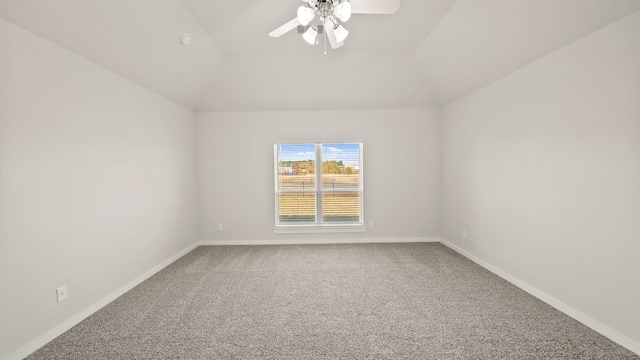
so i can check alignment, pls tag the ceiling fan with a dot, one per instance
(320, 18)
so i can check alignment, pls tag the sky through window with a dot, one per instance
(349, 154)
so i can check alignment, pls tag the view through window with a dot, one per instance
(318, 184)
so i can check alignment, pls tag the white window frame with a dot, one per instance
(318, 226)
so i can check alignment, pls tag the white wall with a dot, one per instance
(401, 169)
(542, 169)
(98, 184)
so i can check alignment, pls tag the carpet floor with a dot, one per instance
(348, 301)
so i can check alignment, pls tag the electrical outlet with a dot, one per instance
(220, 227)
(370, 224)
(464, 234)
(61, 293)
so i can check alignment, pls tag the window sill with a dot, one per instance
(319, 229)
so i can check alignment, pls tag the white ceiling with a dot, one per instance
(429, 53)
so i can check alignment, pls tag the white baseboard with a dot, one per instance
(319, 241)
(77, 318)
(559, 305)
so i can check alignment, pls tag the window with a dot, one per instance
(318, 185)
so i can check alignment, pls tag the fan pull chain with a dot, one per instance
(325, 43)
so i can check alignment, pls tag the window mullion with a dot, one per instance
(319, 218)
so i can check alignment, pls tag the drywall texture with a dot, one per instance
(98, 184)
(542, 170)
(236, 174)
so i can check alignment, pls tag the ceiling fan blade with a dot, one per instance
(285, 28)
(374, 6)
(328, 26)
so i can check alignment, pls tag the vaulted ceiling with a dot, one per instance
(429, 53)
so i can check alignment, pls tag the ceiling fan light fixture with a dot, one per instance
(310, 35)
(318, 19)
(341, 33)
(305, 15)
(343, 11)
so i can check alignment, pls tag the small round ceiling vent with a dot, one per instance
(185, 39)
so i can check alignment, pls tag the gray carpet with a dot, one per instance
(354, 301)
